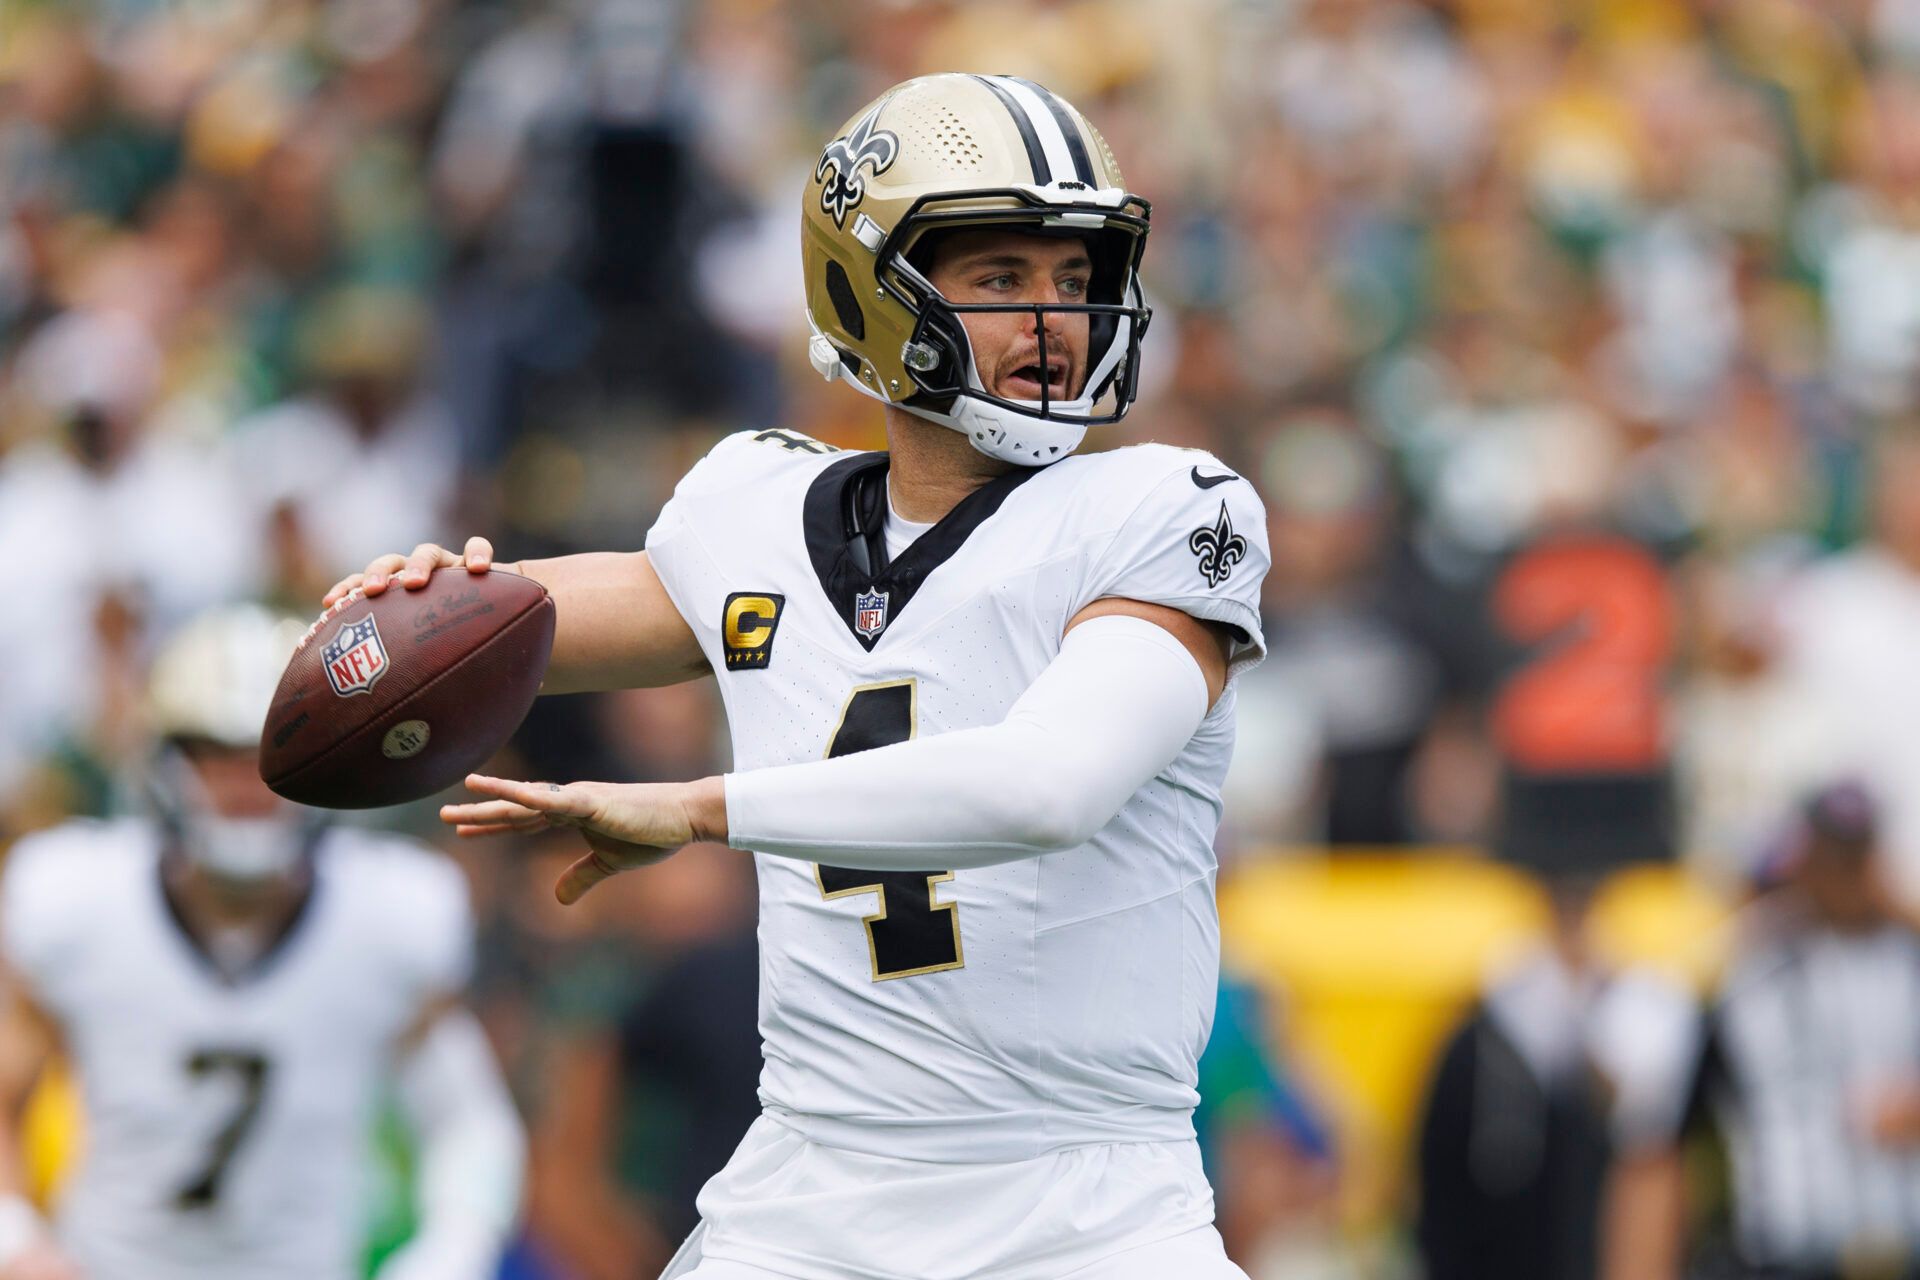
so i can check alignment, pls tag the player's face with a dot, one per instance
(231, 782)
(1010, 267)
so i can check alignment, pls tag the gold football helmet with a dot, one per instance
(951, 151)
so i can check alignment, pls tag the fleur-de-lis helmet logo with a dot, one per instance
(1218, 547)
(842, 186)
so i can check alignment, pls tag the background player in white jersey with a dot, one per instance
(988, 938)
(233, 985)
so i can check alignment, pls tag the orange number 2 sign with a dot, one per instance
(1598, 613)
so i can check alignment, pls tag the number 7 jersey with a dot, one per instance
(996, 1013)
(228, 1110)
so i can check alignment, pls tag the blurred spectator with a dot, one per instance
(1810, 1071)
(363, 463)
(1744, 736)
(692, 1045)
(126, 525)
(1364, 649)
(1846, 636)
(1559, 1067)
(1267, 1149)
(550, 987)
(1869, 246)
(644, 1101)
(1513, 1143)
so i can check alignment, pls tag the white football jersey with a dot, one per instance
(227, 1119)
(998, 1013)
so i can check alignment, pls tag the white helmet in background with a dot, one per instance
(214, 678)
(207, 695)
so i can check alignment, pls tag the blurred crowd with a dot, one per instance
(1574, 347)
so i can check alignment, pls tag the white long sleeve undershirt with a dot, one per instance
(1113, 709)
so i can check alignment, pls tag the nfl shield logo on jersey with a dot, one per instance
(355, 657)
(870, 613)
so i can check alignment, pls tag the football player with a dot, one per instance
(980, 696)
(233, 983)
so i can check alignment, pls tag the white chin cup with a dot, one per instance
(245, 850)
(1011, 436)
(250, 850)
(1017, 431)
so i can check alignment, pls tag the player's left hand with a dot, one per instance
(625, 825)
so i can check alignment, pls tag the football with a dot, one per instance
(394, 697)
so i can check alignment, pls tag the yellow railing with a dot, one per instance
(1373, 955)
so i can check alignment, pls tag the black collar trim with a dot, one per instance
(269, 956)
(845, 521)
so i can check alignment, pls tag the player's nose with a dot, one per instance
(1042, 296)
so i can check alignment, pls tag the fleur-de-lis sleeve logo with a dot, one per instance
(1218, 547)
(842, 186)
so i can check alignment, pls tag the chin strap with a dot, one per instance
(825, 358)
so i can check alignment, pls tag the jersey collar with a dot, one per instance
(274, 948)
(844, 517)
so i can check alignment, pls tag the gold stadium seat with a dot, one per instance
(1375, 954)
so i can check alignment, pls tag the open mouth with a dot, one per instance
(1025, 383)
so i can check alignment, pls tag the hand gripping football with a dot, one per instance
(394, 697)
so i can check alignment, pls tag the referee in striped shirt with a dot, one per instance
(1810, 1064)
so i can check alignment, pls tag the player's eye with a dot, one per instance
(999, 281)
(1073, 287)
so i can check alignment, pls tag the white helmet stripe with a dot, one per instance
(1053, 140)
(1069, 128)
(1036, 155)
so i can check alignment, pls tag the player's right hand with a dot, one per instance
(411, 572)
(40, 1261)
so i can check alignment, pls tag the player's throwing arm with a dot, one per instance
(1046, 778)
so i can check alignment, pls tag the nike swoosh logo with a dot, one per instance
(1207, 482)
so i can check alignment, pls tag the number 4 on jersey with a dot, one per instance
(911, 933)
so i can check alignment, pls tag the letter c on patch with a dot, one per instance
(747, 627)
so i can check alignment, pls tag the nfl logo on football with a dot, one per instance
(870, 613)
(355, 658)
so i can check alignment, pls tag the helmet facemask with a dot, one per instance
(242, 852)
(939, 355)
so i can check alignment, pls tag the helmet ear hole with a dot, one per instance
(846, 307)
